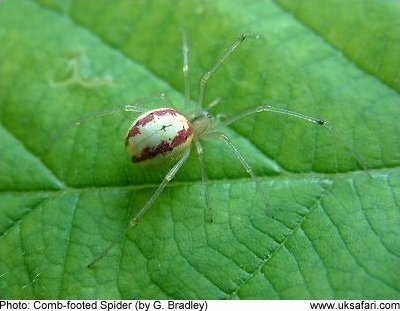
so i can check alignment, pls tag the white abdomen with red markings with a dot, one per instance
(158, 136)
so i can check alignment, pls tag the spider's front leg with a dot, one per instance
(186, 69)
(297, 115)
(204, 79)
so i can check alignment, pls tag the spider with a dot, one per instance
(164, 135)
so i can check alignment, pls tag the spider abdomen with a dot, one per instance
(158, 136)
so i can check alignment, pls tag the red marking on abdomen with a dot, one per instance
(148, 153)
(182, 136)
(150, 117)
(164, 147)
(135, 130)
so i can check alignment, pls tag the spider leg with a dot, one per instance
(109, 112)
(213, 103)
(244, 163)
(136, 107)
(135, 220)
(211, 71)
(185, 69)
(172, 172)
(105, 113)
(307, 118)
(204, 179)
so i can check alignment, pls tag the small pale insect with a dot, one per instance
(165, 135)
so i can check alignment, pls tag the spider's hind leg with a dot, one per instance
(136, 219)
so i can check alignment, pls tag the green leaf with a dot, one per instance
(315, 226)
